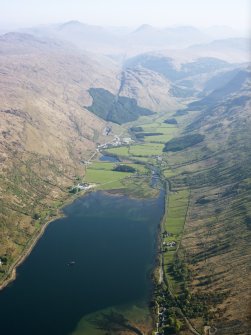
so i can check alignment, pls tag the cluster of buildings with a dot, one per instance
(84, 186)
(162, 319)
(169, 244)
(117, 141)
(159, 158)
(161, 310)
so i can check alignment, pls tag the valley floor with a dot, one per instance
(206, 209)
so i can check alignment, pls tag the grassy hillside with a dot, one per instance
(205, 241)
(45, 133)
(209, 271)
(201, 152)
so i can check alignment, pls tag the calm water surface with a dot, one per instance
(107, 158)
(111, 239)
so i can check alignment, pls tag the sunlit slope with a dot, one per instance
(216, 242)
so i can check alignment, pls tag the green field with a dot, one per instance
(176, 213)
(146, 150)
(119, 151)
(102, 174)
(168, 173)
(167, 132)
(138, 150)
(176, 210)
(159, 138)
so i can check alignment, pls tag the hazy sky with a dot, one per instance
(201, 13)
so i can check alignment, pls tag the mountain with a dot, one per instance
(86, 36)
(231, 49)
(168, 67)
(45, 131)
(149, 88)
(58, 98)
(186, 77)
(144, 29)
(107, 40)
(49, 124)
(221, 32)
(226, 125)
(83, 36)
(219, 80)
(16, 43)
(117, 109)
(237, 83)
(212, 262)
(177, 37)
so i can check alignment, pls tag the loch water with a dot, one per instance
(99, 255)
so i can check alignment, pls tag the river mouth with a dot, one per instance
(98, 257)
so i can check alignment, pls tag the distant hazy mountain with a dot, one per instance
(186, 77)
(168, 37)
(239, 83)
(122, 40)
(84, 35)
(221, 32)
(16, 43)
(144, 28)
(57, 97)
(220, 80)
(232, 49)
(166, 65)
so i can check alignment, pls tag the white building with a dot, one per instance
(127, 140)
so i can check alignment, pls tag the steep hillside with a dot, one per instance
(45, 132)
(186, 77)
(166, 65)
(211, 265)
(56, 101)
(203, 157)
(235, 85)
(149, 88)
(115, 108)
(230, 49)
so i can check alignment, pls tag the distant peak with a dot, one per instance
(185, 29)
(71, 23)
(77, 25)
(16, 36)
(144, 27)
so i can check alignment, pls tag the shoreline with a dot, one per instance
(155, 278)
(12, 271)
(11, 274)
